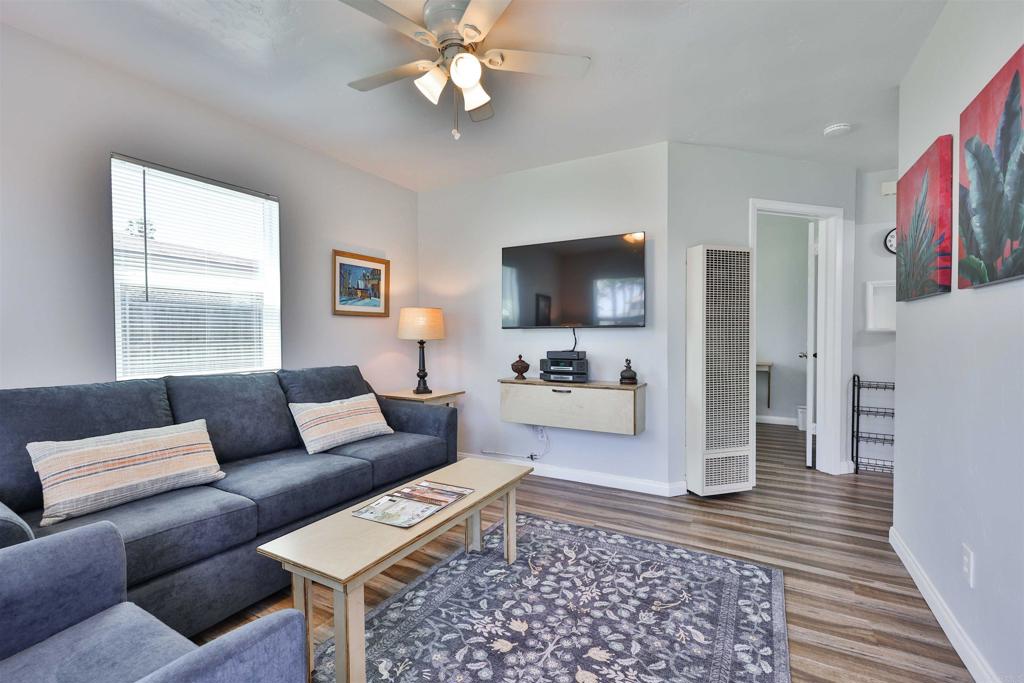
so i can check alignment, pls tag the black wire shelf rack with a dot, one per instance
(874, 411)
(876, 465)
(875, 437)
(859, 435)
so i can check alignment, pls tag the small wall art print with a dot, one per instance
(924, 224)
(992, 181)
(361, 285)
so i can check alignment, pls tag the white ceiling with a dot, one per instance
(764, 76)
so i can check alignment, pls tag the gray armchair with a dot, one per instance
(65, 618)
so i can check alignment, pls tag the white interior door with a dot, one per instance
(811, 354)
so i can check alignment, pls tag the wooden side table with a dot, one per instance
(443, 397)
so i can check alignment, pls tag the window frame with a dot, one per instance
(210, 181)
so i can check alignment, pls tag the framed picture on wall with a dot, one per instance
(924, 223)
(992, 181)
(361, 285)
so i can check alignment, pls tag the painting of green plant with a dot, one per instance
(992, 181)
(924, 224)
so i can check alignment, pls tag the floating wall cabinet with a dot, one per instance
(880, 306)
(594, 406)
(720, 366)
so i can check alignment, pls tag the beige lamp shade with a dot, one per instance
(420, 323)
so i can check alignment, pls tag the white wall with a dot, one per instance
(782, 313)
(62, 115)
(709, 202)
(960, 383)
(874, 353)
(461, 232)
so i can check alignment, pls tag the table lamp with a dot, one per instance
(421, 324)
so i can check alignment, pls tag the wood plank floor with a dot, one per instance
(854, 614)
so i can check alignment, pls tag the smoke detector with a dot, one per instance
(834, 130)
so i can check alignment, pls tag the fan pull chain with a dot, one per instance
(455, 99)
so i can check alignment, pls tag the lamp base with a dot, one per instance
(421, 387)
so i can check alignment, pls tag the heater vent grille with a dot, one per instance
(727, 470)
(727, 353)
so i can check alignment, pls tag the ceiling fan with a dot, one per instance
(456, 29)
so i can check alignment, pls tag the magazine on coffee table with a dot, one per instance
(412, 504)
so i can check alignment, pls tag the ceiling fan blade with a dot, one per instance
(481, 113)
(416, 68)
(393, 19)
(540, 63)
(479, 17)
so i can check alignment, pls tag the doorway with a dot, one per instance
(803, 331)
(786, 315)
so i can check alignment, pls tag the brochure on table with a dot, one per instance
(412, 504)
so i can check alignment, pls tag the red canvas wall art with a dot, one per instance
(924, 223)
(992, 181)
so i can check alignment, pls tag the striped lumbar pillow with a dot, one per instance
(93, 474)
(326, 425)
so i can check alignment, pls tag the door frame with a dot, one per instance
(835, 323)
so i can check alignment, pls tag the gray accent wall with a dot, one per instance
(960, 381)
(709, 202)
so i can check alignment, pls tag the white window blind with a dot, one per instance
(197, 283)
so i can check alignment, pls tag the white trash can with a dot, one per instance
(801, 418)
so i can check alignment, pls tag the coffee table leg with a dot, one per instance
(302, 596)
(510, 526)
(349, 636)
(473, 542)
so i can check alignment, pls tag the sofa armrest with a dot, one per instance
(57, 581)
(13, 529)
(419, 418)
(269, 650)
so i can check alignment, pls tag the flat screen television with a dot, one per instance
(593, 282)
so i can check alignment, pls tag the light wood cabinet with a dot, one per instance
(595, 406)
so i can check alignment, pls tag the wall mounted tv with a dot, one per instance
(593, 282)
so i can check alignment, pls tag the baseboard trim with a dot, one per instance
(542, 469)
(975, 662)
(777, 420)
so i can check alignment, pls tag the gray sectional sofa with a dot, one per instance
(191, 553)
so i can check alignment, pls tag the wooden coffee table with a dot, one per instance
(343, 552)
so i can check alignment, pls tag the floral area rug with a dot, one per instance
(580, 605)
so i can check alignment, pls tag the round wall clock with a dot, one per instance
(890, 241)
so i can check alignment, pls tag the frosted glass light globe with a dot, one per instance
(465, 70)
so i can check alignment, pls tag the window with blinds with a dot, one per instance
(197, 282)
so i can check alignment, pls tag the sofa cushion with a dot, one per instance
(246, 415)
(171, 530)
(121, 644)
(101, 472)
(321, 385)
(397, 456)
(291, 484)
(65, 414)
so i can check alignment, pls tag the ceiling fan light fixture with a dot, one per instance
(432, 83)
(475, 97)
(466, 70)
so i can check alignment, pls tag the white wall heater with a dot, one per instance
(720, 361)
